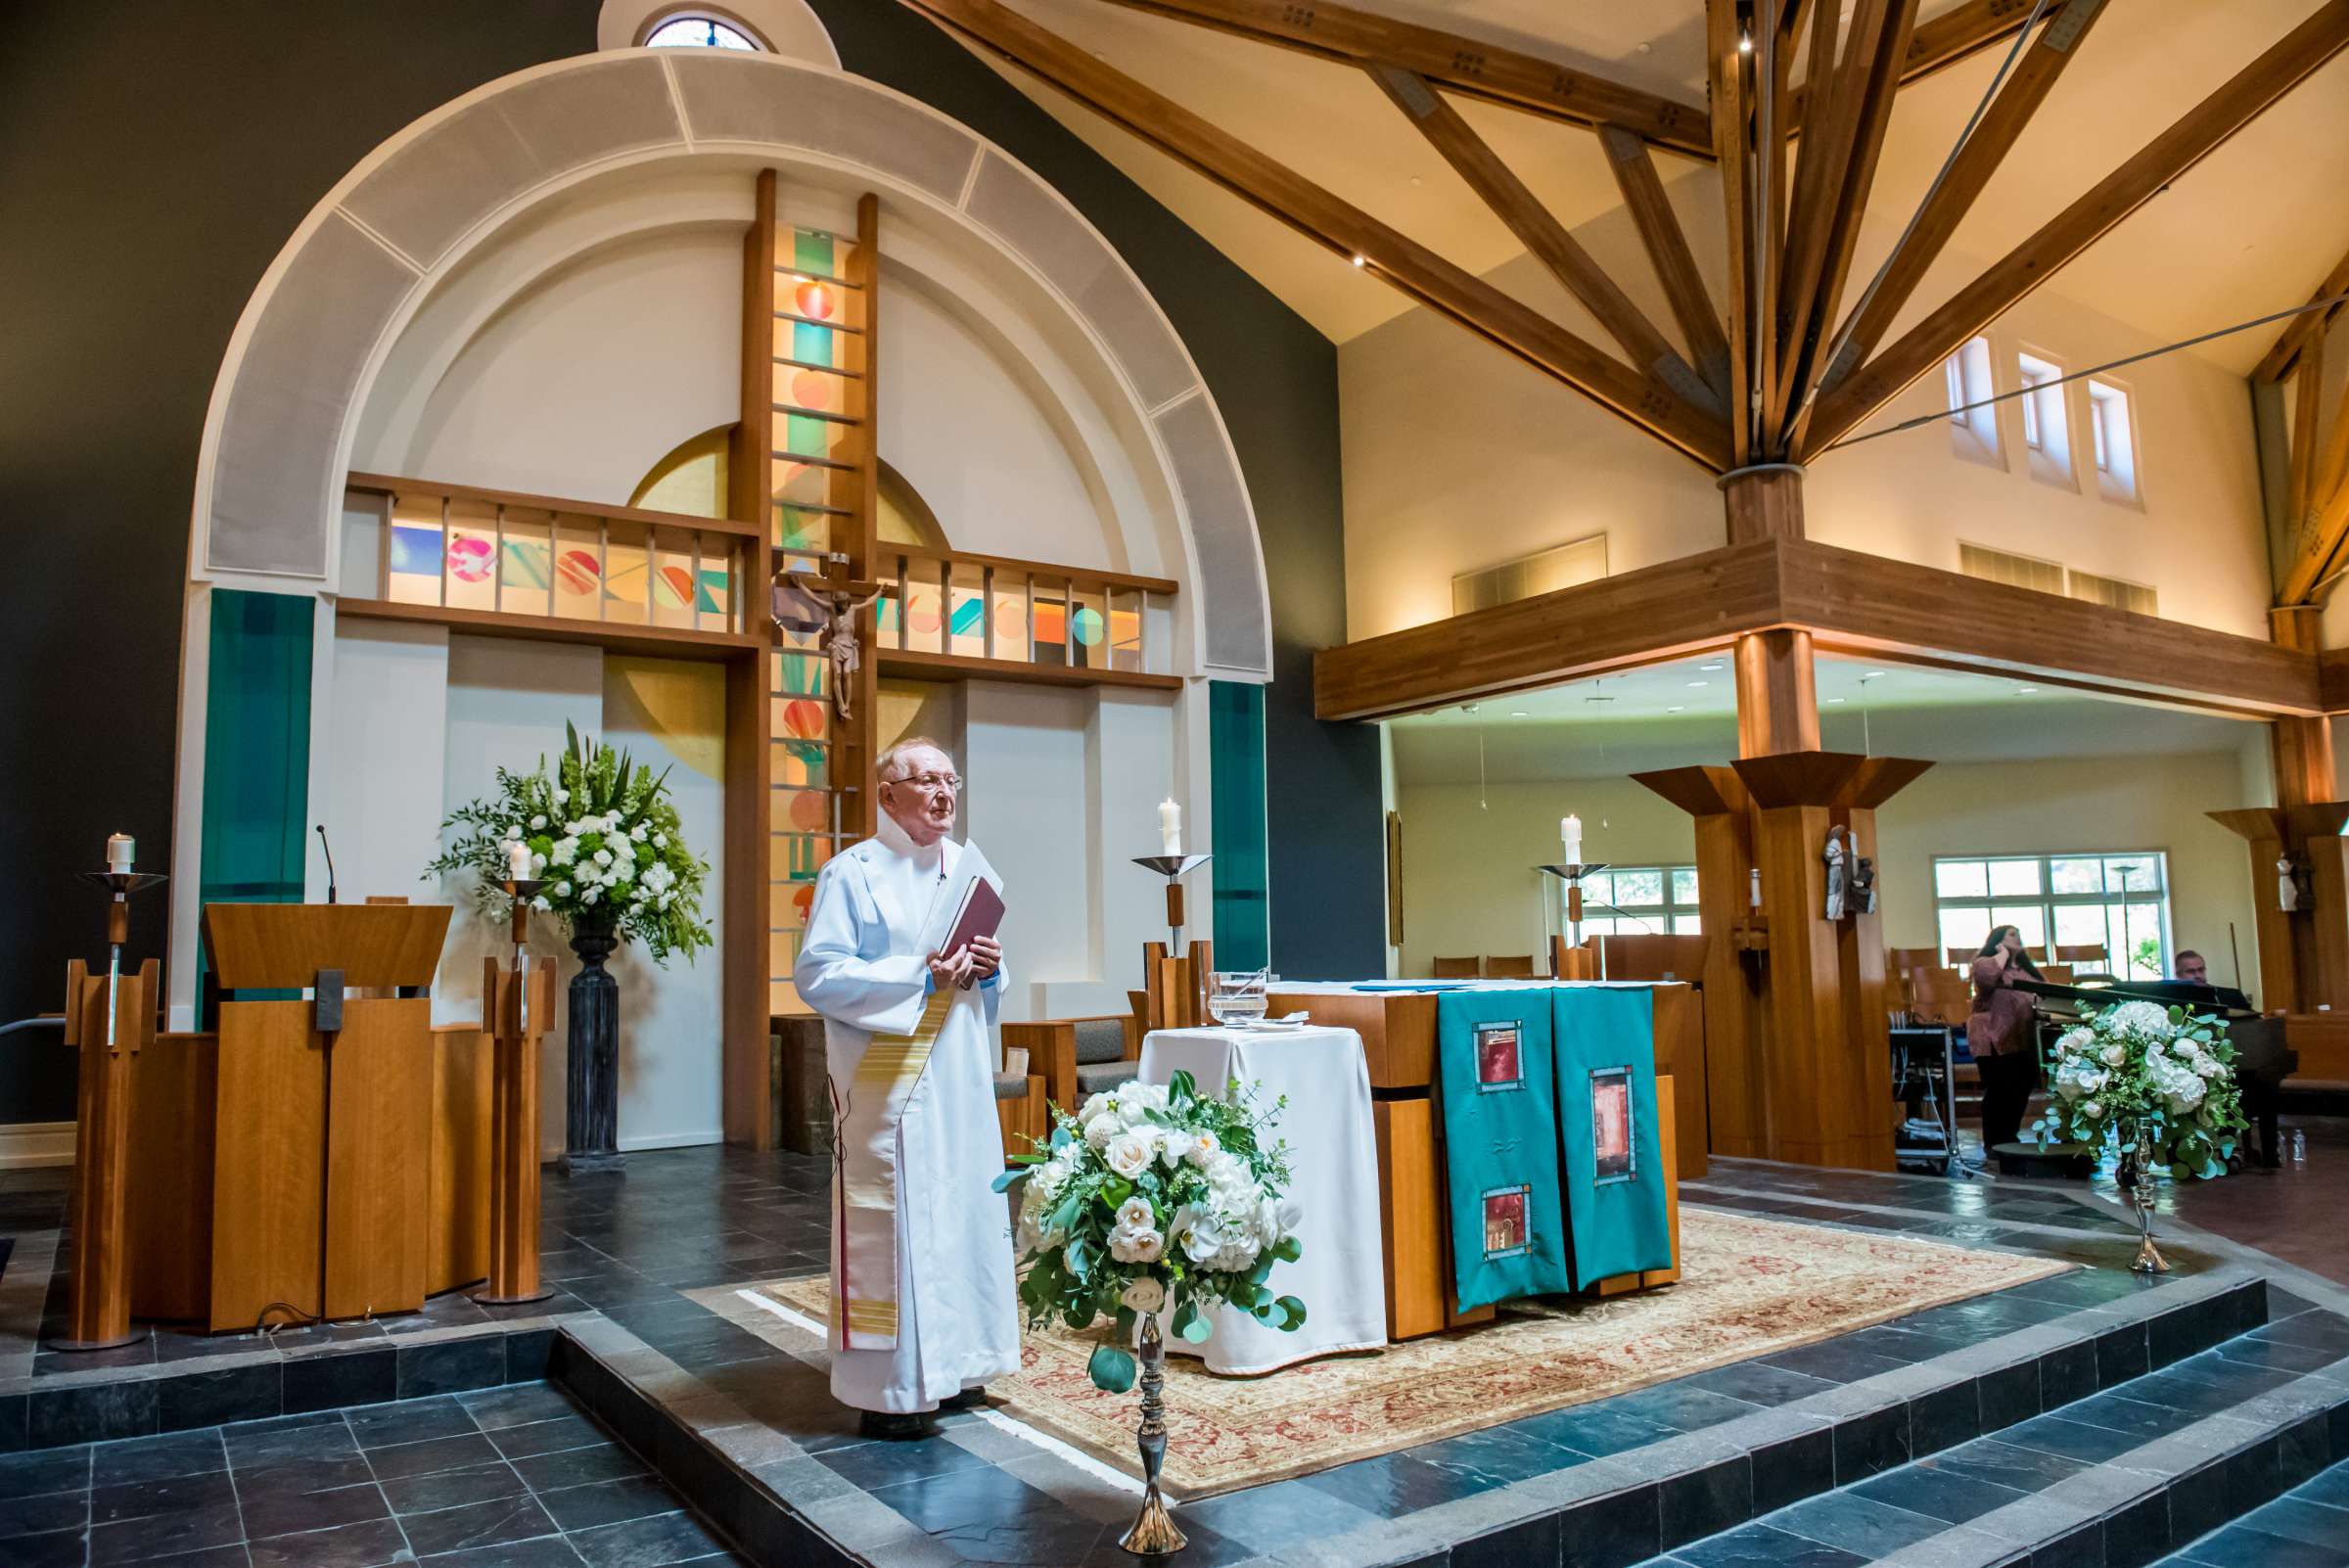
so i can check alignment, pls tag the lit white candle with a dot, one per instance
(119, 850)
(1169, 826)
(1571, 830)
(518, 861)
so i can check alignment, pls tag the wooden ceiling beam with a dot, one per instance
(2035, 76)
(2316, 492)
(2195, 135)
(2280, 359)
(1668, 251)
(1733, 147)
(1959, 33)
(1497, 186)
(1276, 190)
(1457, 64)
(1820, 258)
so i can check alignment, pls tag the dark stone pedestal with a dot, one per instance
(591, 1125)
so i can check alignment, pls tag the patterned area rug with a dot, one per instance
(1748, 1287)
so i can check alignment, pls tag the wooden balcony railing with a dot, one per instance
(943, 611)
(497, 561)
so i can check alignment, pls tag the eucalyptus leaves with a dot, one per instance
(2147, 1078)
(1149, 1198)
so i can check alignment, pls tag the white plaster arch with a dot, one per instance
(317, 334)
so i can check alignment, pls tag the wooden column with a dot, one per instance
(110, 1043)
(516, 1009)
(1798, 1053)
(1762, 502)
(2301, 747)
(1778, 695)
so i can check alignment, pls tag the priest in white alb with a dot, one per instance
(923, 1304)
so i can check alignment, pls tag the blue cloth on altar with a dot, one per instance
(1611, 1152)
(1501, 1143)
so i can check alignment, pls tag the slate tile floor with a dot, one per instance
(511, 1477)
(2307, 1527)
(628, 1246)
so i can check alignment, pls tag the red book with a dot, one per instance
(981, 915)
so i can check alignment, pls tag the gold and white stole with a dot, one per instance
(864, 1144)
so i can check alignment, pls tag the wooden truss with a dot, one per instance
(1793, 363)
(2317, 483)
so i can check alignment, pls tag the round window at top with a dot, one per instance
(695, 31)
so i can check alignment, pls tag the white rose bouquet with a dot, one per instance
(2150, 1078)
(1151, 1198)
(604, 840)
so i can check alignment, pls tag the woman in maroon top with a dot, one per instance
(2000, 1037)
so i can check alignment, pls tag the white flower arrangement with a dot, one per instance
(598, 864)
(1150, 1197)
(2148, 1077)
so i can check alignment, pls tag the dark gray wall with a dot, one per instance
(153, 158)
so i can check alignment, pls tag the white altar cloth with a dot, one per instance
(1333, 1167)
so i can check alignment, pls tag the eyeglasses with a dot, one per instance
(931, 783)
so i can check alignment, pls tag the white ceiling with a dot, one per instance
(1685, 711)
(2251, 229)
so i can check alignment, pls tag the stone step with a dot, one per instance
(2116, 1478)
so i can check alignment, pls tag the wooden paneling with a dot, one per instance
(1472, 66)
(1410, 1190)
(1672, 1133)
(176, 1090)
(1393, 256)
(2332, 680)
(457, 1250)
(393, 484)
(747, 1063)
(282, 945)
(112, 1026)
(1397, 1029)
(1680, 1041)
(651, 642)
(269, 1166)
(378, 1119)
(2321, 931)
(2193, 137)
(1636, 617)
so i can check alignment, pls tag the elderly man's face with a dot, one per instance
(2192, 967)
(921, 798)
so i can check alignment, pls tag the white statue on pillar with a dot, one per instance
(2287, 886)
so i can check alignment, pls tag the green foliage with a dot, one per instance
(2142, 1076)
(604, 837)
(1152, 1199)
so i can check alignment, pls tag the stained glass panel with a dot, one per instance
(628, 572)
(578, 567)
(472, 556)
(525, 561)
(413, 555)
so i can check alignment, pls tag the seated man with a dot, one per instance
(923, 1310)
(2192, 967)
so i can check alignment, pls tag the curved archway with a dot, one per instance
(315, 337)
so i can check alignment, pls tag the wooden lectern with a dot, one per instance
(312, 1145)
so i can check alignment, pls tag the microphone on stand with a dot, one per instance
(329, 852)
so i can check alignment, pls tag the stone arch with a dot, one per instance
(313, 337)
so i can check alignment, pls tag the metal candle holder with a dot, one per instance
(1572, 874)
(120, 885)
(1173, 867)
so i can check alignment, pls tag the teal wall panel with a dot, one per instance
(1235, 728)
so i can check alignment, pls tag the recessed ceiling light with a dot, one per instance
(1359, 261)
(1874, 674)
(1709, 666)
(1519, 712)
(2025, 691)
(1694, 684)
(1676, 709)
(1834, 699)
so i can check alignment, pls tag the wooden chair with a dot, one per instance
(1936, 992)
(1020, 1111)
(2090, 957)
(1509, 967)
(2056, 974)
(1072, 1057)
(1470, 968)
